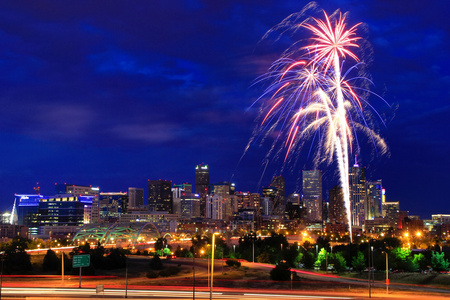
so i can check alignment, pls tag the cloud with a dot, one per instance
(155, 133)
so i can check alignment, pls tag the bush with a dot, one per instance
(156, 263)
(152, 274)
(170, 271)
(115, 259)
(281, 273)
(401, 259)
(233, 263)
(263, 258)
(51, 261)
(438, 262)
(340, 265)
(308, 260)
(359, 262)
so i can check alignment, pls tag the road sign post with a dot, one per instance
(80, 261)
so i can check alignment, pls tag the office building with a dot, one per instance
(202, 185)
(279, 186)
(357, 186)
(312, 195)
(190, 206)
(76, 190)
(112, 205)
(337, 212)
(226, 191)
(135, 197)
(373, 200)
(160, 196)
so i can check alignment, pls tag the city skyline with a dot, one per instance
(115, 95)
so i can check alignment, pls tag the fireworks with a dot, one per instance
(311, 96)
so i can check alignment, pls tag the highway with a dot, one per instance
(54, 293)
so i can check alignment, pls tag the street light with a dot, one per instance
(368, 258)
(193, 272)
(387, 272)
(212, 265)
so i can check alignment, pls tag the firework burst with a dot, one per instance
(311, 97)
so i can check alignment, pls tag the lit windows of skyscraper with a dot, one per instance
(337, 212)
(201, 185)
(312, 195)
(279, 185)
(357, 194)
(190, 206)
(135, 197)
(160, 195)
(373, 200)
(112, 206)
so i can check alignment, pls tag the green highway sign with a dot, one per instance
(83, 260)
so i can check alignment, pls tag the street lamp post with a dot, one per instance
(212, 265)
(193, 273)
(126, 274)
(253, 250)
(368, 258)
(387, 272)
(2, 258)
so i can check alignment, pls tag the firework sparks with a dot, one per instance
(309, 96)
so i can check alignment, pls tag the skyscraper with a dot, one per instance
(135, 197)
(160, 195)
(201, 186)
(357, 194)
(312, 195)
(337, 212)
(373, 200)
(279, 185)
(112, 206)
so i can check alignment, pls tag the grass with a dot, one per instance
(432, 279)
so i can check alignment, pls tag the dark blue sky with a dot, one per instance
(112, 93)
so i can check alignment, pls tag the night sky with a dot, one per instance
(113, 93)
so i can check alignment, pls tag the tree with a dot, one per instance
(281, 272)
(16, 259)
(400, 259)
(156, 263)
(160, 243)
(263, 258)
(358, 262)
(115, 259)
(51, 261)
(338, 261)
(291, 255)
(421, 262)
(322, 259)
(97, 256)
(308, 260)
(166, 251)
(438, 262)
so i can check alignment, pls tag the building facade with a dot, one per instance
(357, 194)
(312, 195)
(135, 197)
(160, 196)
(202, 185)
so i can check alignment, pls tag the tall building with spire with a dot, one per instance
(312, 195)
(202, 186)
